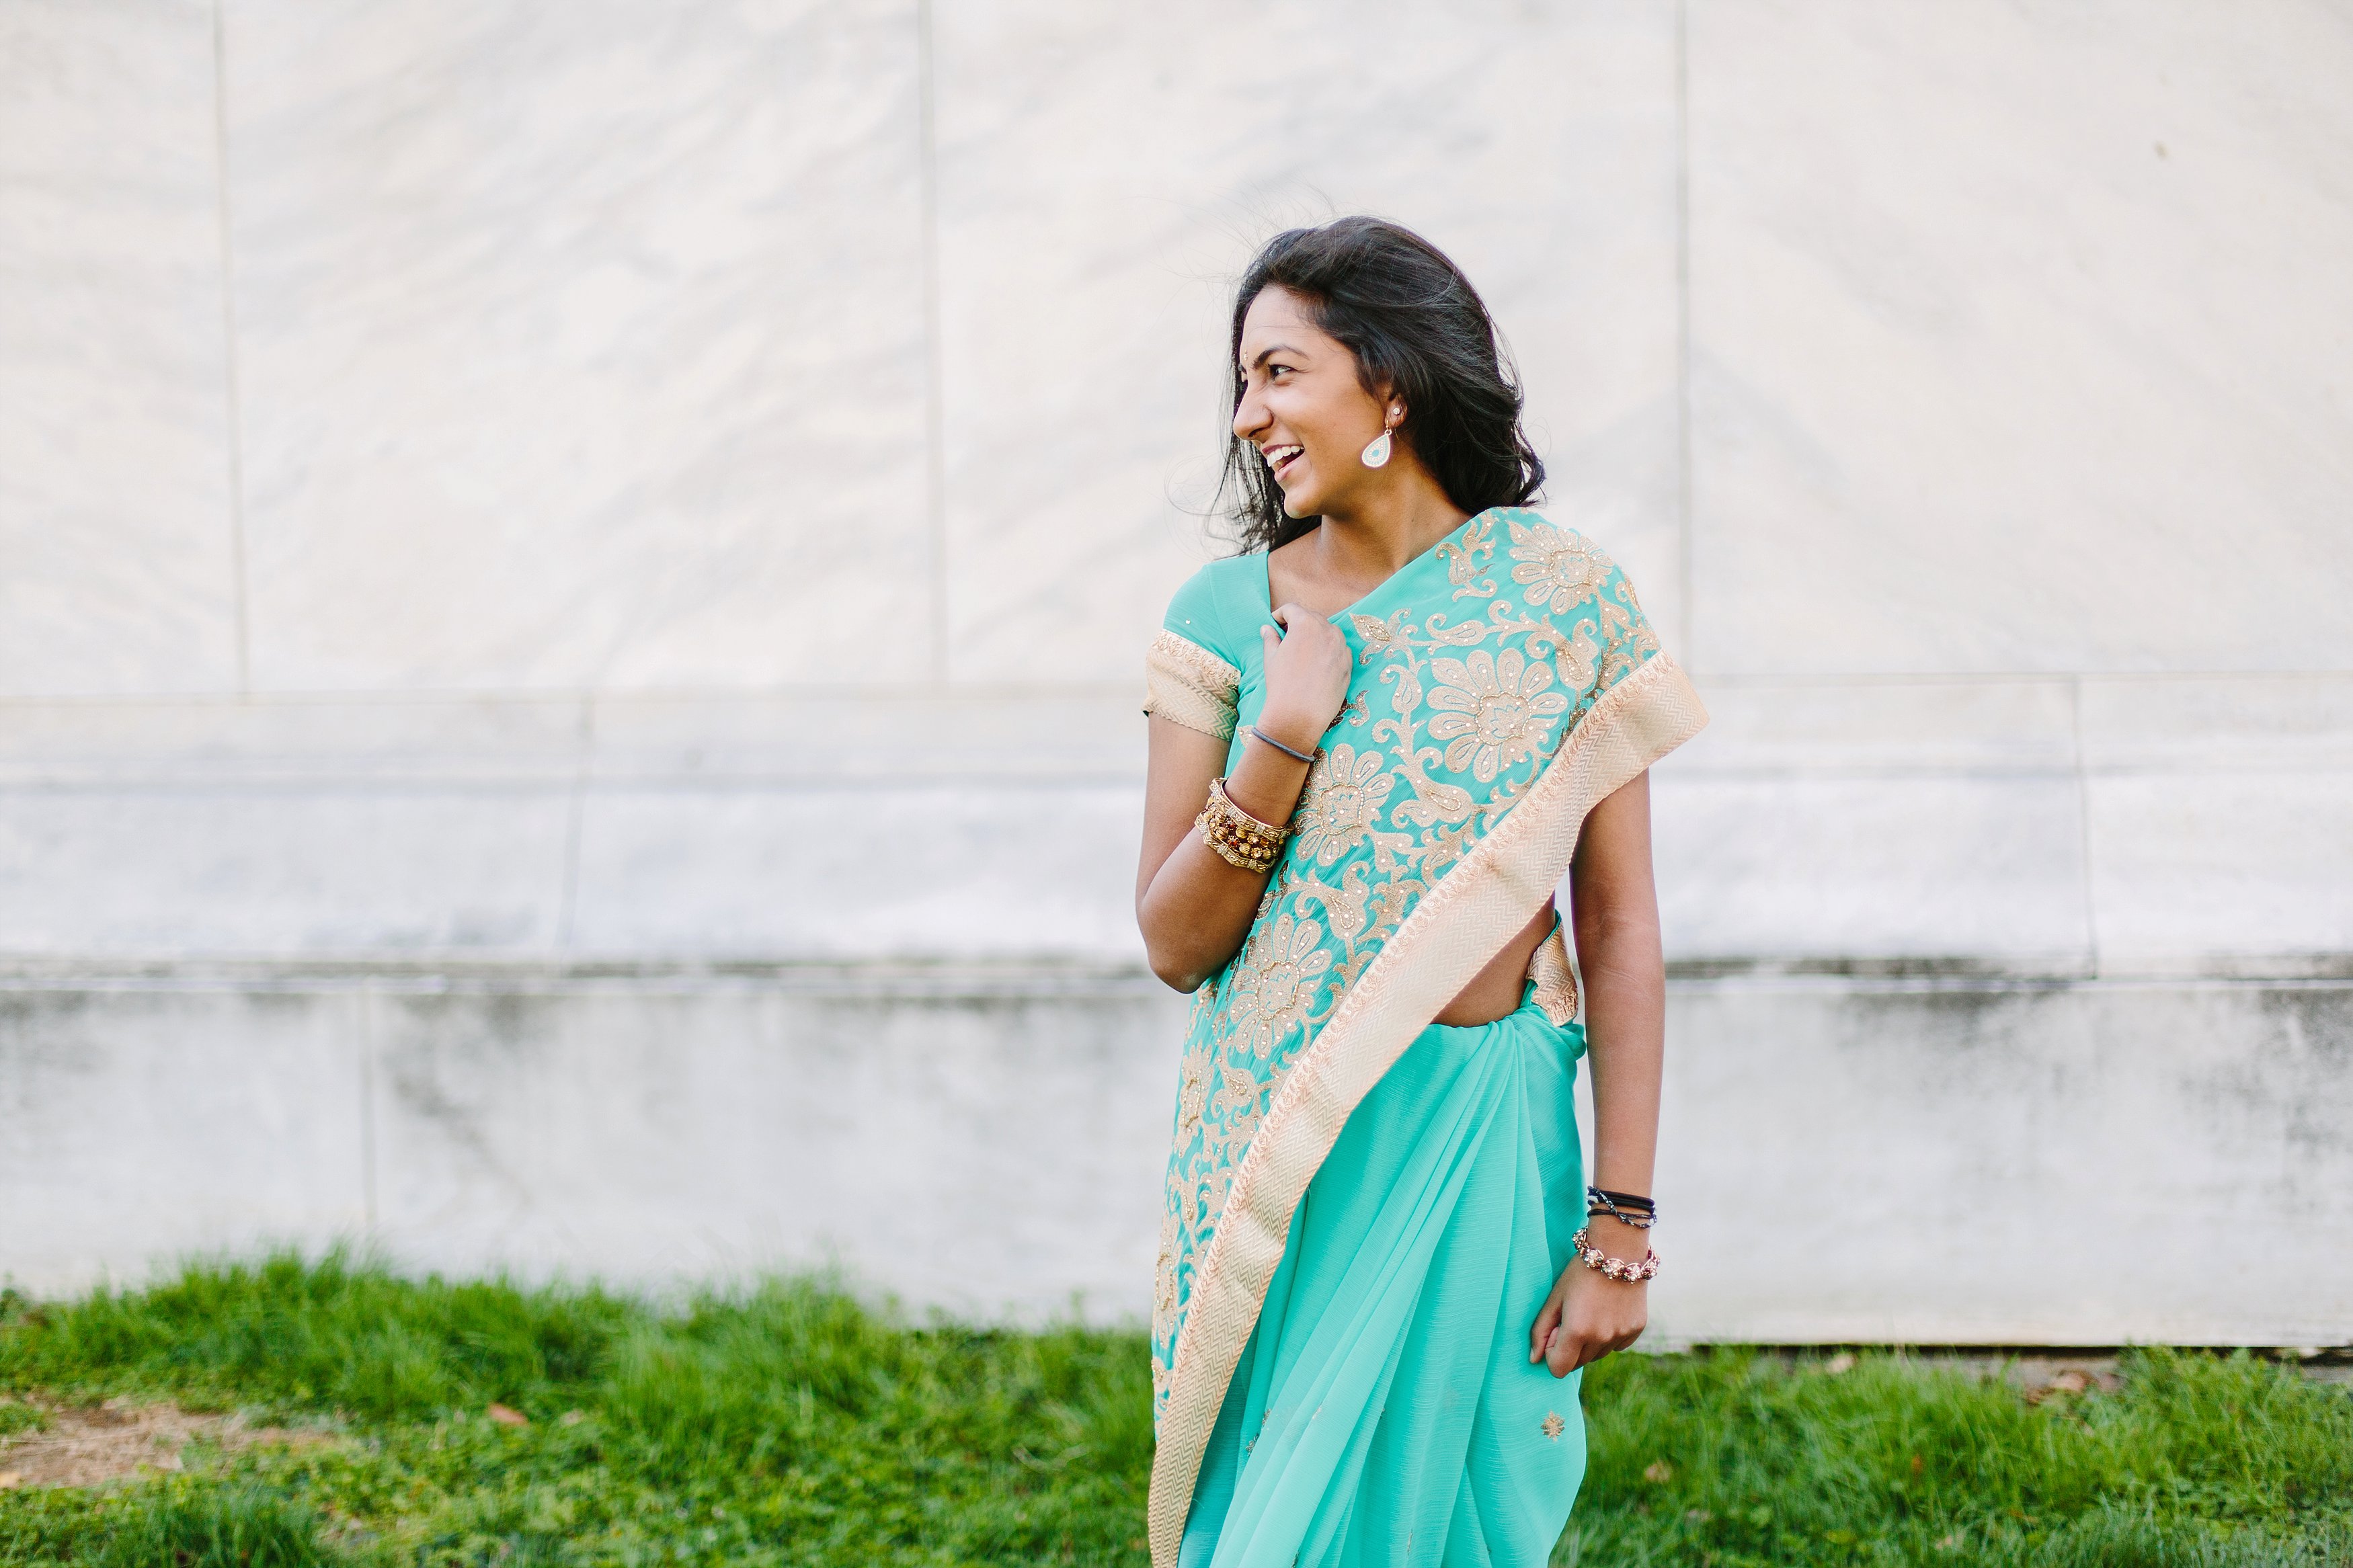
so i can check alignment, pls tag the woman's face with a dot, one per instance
(1303, 409)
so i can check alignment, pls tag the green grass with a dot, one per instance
(788, 1425)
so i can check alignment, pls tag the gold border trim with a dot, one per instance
(1458, 925)
(1555, 978)
(1187, 684)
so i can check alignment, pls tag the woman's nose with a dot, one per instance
(1248, 416)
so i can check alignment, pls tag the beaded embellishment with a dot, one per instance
(1240, 840)
(1611, 1268)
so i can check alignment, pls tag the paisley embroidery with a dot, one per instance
(1465, 557)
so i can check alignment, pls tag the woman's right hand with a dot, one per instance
(1307, 669)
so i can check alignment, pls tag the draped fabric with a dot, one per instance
(1503, 683)
(1385, 1410)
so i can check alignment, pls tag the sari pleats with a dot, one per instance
(1384, 1411)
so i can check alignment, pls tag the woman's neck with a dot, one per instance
(1364, 546)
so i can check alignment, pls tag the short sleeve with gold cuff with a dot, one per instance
(1187, 684)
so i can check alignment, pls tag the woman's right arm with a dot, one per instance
(1194, 908)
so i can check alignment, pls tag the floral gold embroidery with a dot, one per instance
(1453, 717)
(1164, 1285)
(1492, 711)
(1276, 983)
(1346, 793)
(1559, 571)
(1191, 1096)
(1553, 1426)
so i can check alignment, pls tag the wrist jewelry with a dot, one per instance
(1611, 1268)
(1240, 840)
(1626, 1208)
(1307, 757)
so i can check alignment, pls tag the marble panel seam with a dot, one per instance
(1686, 610)
(233, 400)
(934, 391)
(2086, 871)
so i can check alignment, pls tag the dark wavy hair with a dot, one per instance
(1417, 327)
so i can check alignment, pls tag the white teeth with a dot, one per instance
(1277, 456)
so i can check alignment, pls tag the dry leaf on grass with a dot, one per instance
(2071, 1380)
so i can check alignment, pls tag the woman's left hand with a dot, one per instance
(1588, 1315)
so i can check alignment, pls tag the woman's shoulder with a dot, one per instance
(1219, 606)
(1551, 560)
(1194, 670)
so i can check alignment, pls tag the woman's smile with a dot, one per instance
(1278, 862)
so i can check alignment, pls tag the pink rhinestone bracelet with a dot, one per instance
(1611, 1268)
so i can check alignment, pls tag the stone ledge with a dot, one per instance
(1848, 1157)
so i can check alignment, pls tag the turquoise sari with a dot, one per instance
(1363, 1210)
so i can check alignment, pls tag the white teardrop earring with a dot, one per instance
(1378, 452)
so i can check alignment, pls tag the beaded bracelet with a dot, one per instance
(1611, 1268)
(1240, 840)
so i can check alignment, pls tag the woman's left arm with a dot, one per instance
(1614, 913)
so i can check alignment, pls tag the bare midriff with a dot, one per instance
(1495, 993)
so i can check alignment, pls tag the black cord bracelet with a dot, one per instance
(1309, 758)
(1626, 1208)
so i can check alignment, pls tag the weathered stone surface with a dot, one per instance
(1877, 819)
(952, 869)
(2221, 817)
(981, 1148)
(1843, 1158)
(2032, 1163)
(261, 869)
(146, 1122)
(603, 654)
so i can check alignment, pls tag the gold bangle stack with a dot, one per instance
(1241, 841)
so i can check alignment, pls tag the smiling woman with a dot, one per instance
(1381, 738)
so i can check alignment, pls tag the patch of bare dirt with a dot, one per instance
(84, 1446)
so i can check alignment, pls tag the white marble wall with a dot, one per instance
(589, 484)
(478, 458)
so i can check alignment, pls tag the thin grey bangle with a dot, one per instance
(1287, 751)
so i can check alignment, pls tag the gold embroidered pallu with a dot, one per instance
(1503, 683)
